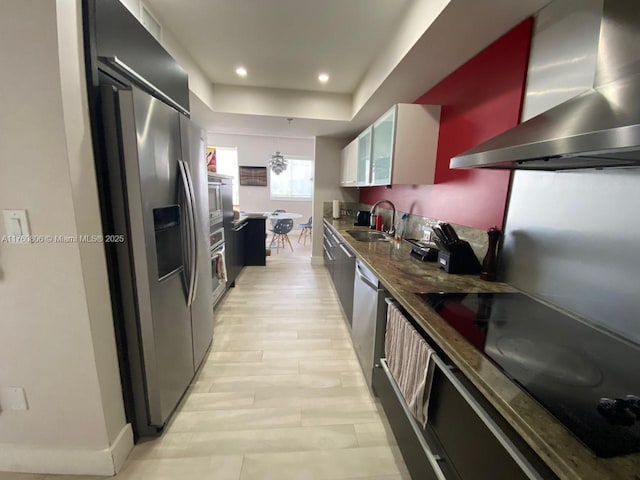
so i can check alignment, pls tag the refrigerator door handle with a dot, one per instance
(190, 227)
(194, 258)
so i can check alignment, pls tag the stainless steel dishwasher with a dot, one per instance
(369, 319)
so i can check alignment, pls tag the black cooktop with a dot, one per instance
(585, 376)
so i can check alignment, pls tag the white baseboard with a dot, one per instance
(317, 260)
(122, 446)
(34, 459)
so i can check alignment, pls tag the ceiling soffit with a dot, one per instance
(419, 55)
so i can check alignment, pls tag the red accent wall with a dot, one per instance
(479, 100)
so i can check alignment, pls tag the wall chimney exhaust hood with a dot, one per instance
(597, 129)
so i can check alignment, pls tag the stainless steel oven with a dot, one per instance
(218, 264)
(215, 200)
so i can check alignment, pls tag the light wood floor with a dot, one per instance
(281, 395)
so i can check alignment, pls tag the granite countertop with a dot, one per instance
(245, 217)
(239, 220)
(403, 275)
(256, 215)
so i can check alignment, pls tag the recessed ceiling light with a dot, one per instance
(241, 71)
(323, 77)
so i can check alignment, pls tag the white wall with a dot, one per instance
(328, 154)
(255, 151)
(56, 328)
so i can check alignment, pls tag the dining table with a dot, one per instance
(282, 215)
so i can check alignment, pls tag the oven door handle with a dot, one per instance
(192, 241)
(218, 251)
(216, 247)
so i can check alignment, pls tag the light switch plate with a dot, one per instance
(16, 223)
(13, 398)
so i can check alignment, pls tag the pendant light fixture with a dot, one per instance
(278, 163)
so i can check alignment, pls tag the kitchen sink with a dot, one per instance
(364, 236)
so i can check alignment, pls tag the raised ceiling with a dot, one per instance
(377, 52)
(283, 43)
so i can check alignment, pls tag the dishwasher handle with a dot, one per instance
(365, 280)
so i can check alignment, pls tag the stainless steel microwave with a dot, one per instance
(215, 201)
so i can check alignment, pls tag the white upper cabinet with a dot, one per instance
(399, 148)
(349, 173)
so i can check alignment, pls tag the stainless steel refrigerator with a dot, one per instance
(158, 194)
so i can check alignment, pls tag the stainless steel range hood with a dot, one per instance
(599, 128)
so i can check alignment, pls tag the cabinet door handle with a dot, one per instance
(237, 229)
(346, 252)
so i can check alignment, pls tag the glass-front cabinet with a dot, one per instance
(382, 148)
(364, 157)
(399, 148)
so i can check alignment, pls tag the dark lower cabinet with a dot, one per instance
(244, 245)
(328, 250)
(457, 427)
(235, 251)
(341, 263)
(255, 238)
(343, 278)
(405, 434)
(465, 437)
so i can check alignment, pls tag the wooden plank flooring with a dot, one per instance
(280, 396)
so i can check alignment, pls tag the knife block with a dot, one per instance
(459, 258)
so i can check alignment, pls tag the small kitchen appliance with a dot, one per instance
(423, 250)
(363, 217)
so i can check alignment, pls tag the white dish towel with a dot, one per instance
(409, 360)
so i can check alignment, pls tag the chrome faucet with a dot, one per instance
(392, 228)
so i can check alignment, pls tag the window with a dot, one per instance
(227, 164)
(295, 183)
